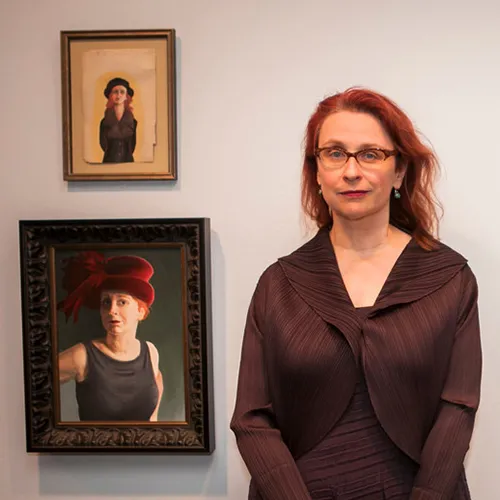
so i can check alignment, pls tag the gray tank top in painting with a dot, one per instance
(117, 390)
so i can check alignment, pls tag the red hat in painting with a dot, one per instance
(88, 274)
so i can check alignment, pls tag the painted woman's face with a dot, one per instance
(120, 312)
(118, 94)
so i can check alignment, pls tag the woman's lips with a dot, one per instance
(354, 194)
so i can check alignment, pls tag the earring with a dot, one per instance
(397, 194)
(319, 191)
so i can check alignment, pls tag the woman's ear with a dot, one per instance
(142, 312)
(318, 178)
(401, 169)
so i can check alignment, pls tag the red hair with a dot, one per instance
(144, 307)
(416, 210)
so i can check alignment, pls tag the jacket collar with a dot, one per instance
(314, 273)
(111, 119)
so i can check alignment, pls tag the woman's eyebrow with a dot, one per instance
(365, 145)
(333, 142)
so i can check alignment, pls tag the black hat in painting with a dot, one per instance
(118, 81)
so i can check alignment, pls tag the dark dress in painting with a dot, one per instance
(118, 137)
(117, 390)
(374, 404)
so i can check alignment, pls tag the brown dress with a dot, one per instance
(357, 459)
(331, 404)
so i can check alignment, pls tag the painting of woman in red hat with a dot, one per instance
(116, 374)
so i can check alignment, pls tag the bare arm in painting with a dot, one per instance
(155, 361)
(72, 364)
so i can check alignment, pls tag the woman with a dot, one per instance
(361, 360)
(118, 128)
(117, 377)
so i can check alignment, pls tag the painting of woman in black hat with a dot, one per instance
(116, 375)
(118, 128)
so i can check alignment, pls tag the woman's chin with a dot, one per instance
(119, 332)
(115, 332)
(356, 213)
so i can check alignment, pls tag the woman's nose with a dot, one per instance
(352, 169)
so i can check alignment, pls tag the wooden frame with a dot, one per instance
(129, 139)
(178, 326)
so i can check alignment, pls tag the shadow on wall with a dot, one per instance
(133, 476)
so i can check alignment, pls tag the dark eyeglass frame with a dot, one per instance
(387, 152)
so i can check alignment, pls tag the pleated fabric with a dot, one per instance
(305, 347)
(357, 459)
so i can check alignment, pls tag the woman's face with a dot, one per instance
(120, 312)
(352, 191)
(118, 94)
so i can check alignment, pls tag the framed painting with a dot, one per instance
(119, 105)
(117, 335)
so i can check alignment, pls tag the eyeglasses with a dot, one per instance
(333, 157)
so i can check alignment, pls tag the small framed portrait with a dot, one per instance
(117, 335)
(119, 105)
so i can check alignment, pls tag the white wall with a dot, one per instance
(249, 75)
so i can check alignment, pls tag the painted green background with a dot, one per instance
(163, 327)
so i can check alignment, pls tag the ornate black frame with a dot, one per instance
(43, 433)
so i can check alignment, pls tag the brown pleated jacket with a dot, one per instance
(300, 355)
